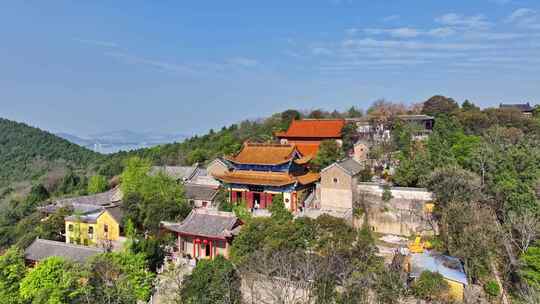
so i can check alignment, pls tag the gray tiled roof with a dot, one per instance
(200, 192)
(201, 177)
(41, 249)
(117, 213)
(177, 172)
(351, 166)
(87, 203)
(85, 218)
(523, 107)
(203, 222)
(412, 117)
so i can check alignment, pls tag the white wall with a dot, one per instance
(420, 194)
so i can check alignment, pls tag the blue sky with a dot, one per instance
(188, 66)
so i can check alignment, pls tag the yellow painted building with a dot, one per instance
(95, 227)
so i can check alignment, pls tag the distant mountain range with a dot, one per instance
(122, 140)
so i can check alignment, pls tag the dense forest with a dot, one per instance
(27, 154)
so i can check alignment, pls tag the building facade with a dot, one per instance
(203, 234)
(338, 185)
(94, 228)
(261, 171)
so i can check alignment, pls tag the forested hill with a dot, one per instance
(27, 153)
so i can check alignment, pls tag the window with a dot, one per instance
(70, 227)
(106, 228)
(90, 230)
(335, 180)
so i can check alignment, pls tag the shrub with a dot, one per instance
(492, 288)
(430, 286)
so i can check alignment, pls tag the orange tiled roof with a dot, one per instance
(310, 149)
(267, 178)
(308, 178)
(303, 160)
(314, 128)
(264, 154)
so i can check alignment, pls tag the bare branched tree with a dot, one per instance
(522, 229)
(283, 277)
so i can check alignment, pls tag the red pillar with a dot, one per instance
(263, 200)
(210, 244)
(269, 198)
(194, 243)
(249, 199)
(234, 198)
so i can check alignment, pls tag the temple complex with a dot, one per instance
(260, 171)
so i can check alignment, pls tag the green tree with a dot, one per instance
(241, 211)
(53, 281)
(150, 199)
(212, 281)
(386, 194)
(329, 152)
(430, 286)
(354, 112)
(492, 289)
(469, 106)
(530, 271)
(12, 271)
(97, 184)
(222, 199)
(438, 104)
(250, 239)
(135, 174)
(122, 277)
(279, 211)
(38, 193)
(349, 135)
(453, 184)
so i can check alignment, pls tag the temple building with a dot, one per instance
(307, 134)
(260, 171)
(203, 234)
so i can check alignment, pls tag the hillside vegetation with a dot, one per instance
(27, 153)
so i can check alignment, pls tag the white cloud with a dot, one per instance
(412, 45)
(407, 32)
(525, 18)
(441, 32)
(520, 13)
(402, 32)
(457, 20)
(162, 65)
(482, 35)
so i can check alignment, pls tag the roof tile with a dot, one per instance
(314, 128)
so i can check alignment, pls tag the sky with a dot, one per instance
(84, 67)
